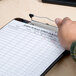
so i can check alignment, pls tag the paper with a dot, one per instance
(27, 50)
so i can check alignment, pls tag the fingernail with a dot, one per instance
(57, 20)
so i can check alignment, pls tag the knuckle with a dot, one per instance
(66, 22)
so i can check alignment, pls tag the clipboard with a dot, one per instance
(38, 26)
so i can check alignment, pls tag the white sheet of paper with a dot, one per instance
(27, 50)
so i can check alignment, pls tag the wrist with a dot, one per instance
(73, 50)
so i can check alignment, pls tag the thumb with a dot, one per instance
(58, 21)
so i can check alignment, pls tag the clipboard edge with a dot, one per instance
(51, 66)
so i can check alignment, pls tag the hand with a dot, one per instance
(66, 31)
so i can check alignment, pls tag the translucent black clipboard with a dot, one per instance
(36, 23)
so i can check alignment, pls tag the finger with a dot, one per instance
(66, 20)
(58, 21)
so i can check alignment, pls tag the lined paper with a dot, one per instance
(27, 50)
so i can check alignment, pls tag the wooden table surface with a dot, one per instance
(10, 9)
